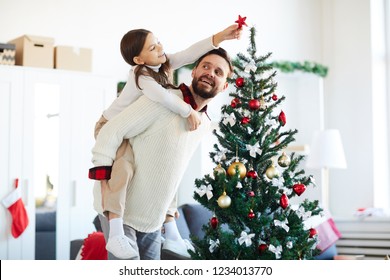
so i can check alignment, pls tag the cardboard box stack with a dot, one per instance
(7, 54)
(72, 58)
(34, 51)
(38, 51)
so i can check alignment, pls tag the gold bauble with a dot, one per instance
(271, 172)
(219, 170)
(284, 160)
(224, 200)
(241, 169)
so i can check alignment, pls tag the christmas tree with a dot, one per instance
(250, 189)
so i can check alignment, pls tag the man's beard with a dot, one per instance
(201, 91)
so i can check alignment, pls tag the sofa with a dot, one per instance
(192, 218)
(45, 235)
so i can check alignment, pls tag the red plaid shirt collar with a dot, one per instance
(189, 99)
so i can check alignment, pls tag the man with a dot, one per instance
(162, 148)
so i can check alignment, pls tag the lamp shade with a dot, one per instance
(326, 150)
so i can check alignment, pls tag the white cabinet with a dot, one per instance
(61, 148)
(12, 159)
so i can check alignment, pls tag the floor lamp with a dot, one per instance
(326, 151)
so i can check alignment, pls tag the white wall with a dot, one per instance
(334, 33)
(348, 100)
(100, 24)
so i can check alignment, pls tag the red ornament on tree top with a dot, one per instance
(241, 21)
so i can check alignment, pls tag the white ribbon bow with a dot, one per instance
(276, 250)
(213, 245)
(247, 238)
(282, 224)
(254, 149)
(250, 67)
(231, 119)
(301, 213)
(278, 182)
(271, 122)
(205, 190)
(249, 129)
(219, 156)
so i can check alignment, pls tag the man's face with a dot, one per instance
(210, 77)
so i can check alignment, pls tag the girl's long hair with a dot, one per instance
(131, 46)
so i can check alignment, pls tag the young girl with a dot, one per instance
(150, 75)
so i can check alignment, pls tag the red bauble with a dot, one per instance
(262, 248)
(235, 102)
(251, 215)
(299, 188)
(274, 97)
(282, 118)
(240, 82)
(245, 120)
(251, 174)
(254, 104)
(312, 232)
(251, 193)
(284, 201)
(214, 222)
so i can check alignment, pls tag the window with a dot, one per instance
(380, 43)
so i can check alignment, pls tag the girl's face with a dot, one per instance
(152, 53)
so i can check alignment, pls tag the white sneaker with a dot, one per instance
(121, 247)
(179, 248)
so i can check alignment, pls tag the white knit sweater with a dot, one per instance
(162, 146)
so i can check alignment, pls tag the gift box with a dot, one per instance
(7, 54)
(73, 58)
(34, 51)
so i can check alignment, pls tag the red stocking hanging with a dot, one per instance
(13, 202)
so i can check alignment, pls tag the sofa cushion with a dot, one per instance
(45, 235)
(182, 225)
(196, 216)
(45, 221)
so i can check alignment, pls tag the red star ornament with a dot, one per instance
(241, 21)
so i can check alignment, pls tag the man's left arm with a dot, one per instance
(131, 122)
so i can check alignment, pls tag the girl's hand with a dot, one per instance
(193, 120)
(229, 33)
